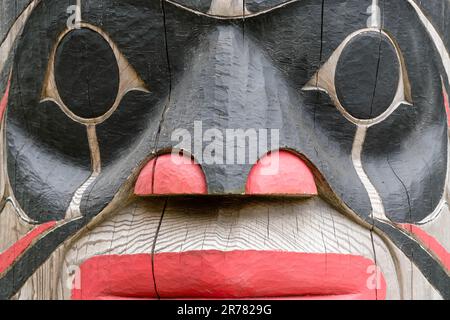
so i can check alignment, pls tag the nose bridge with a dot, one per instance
(226, 41)
(228, 62)
(230, 78)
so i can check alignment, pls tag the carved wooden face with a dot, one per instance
(346, 200)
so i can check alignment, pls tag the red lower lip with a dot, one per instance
(230, 275)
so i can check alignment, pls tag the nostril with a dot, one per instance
(281, 173)
(171, 174)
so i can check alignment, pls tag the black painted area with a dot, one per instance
(86, 73)
(129, 135)
(406, 155)
(227, 82)
(367, 75)
(258, 88)
(137, 113)
(433, 271)
(47, 153)
(340, 19)
(197, 5)
(35, 256)
(255, 6)
(438, 12)
(227, 76)
(9, 13)
(7, 67)
(42, 178)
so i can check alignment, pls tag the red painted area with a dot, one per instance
(10, 255)
(446, 103)
(4, 101)
(144, 183)
(115, 277)
(430, 243)
(281, 173)
(171, 174)
(234, 274)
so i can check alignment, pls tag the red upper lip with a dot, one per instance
(234, 274)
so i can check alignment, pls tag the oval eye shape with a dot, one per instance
(367, 75)
(86, 73)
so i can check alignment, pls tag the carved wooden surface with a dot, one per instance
(352, 95)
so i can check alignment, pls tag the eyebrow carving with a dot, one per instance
(218, 9)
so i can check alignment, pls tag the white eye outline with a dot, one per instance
(128, 79)
(324, 80)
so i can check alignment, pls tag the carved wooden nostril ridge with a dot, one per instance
(281, 173)
(171, 174)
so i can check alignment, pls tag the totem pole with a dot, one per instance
(161, 149)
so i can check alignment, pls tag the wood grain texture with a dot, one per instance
(228, 225)
(230, 64)
(12, 227)
(287, 226)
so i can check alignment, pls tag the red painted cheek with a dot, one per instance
(171, 174)
(447, 106)
(430, 243)
(4, 101)
(10, 255)
(281, 173)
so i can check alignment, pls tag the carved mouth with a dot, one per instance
(229, 248)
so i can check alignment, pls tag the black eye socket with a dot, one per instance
(86, 73)
(367, 75)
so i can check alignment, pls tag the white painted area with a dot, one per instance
(374, 20)
(438, 227)
(227, 8)
(78, 17)
(375, 199)
(74, 207)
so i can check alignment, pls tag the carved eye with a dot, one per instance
(87, 75)
(365, 77)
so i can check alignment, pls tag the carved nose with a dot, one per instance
(279, 173)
